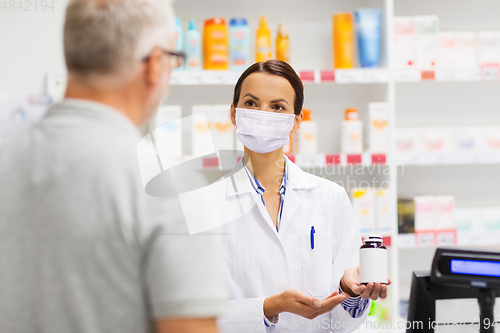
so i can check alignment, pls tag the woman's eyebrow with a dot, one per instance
(254, 97)
(280, 100)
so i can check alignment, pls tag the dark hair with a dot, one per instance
(274, 67)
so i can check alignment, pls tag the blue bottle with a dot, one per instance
(239, 44)
(179, 41)
(368, 29)
(192, 48)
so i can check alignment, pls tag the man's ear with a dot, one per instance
(297, 121)
(233, 114)
(154, 67)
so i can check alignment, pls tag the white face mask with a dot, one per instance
(263, 131)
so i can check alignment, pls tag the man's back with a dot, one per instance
(82, 247)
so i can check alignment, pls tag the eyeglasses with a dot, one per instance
(176, 57)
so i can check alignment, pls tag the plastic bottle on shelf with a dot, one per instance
(193, 47)
(351, 133)
(239, 44)
(263, 47)
(368, 28)
(215, 49)
(282, 44)
(179, 42)
(343, 40)
(306, 138)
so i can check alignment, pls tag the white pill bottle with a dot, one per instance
(373, 261)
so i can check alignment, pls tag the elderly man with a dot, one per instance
(82, 247)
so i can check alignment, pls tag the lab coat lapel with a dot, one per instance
(265, 214)
(298, 180)
(292, 203)
(238, 184)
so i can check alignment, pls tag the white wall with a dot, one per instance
(30, 46)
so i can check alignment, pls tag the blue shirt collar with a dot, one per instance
(257, 186)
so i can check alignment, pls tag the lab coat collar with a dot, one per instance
(238, 182)
(298, 178)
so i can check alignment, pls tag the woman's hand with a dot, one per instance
(350, 284)
(295, 301)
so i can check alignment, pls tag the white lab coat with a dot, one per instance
(261, 262)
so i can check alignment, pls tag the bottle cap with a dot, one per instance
(263, 22)
(282, 29)
(351, 114)
(374, 238)
(214, 20)
(178, 21)
(307, 115)
(238, 21)
(192, 24)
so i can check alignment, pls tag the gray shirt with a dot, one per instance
(82, 247)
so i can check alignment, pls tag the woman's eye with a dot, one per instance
(250, 103)
(279, 107)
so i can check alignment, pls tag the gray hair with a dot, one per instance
(108, 36)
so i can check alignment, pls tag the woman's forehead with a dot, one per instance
(268, 86)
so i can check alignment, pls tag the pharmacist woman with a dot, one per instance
(292, 255)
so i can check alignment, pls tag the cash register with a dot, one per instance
(456, 274)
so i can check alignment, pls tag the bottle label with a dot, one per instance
(372, 265)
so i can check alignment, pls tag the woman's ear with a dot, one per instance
(297, 121)
(233, 114)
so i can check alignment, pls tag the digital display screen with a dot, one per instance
(475, 267)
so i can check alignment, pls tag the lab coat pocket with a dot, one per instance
(317, 263)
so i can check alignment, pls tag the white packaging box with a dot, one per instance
(448, 50)
(379, 139)
(468, 220)
(444, 209)
(438, 139)
(383, 210)
(306, 139)
(426, 28)
(351, 137)
(466, 50)
(202, 142)
(403, 46)
(491, 218)
(221, 127)
(168, 134)
(469, 139)
(425, 213)
(488, 48)
(408, 140)
(363, 202)
(492, 138)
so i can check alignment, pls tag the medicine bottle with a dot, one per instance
(373, 261)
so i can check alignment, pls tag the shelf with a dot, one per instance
(347, 76)
(357, 75)
(447, 158)
(204, 77)
(448, 238)
(302, 160)
(323, 160)
(447, 75)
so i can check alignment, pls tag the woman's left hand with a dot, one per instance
(350, 284)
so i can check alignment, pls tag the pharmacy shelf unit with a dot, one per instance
(447, 98)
